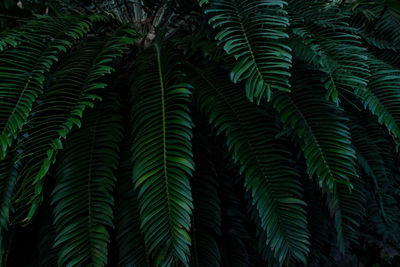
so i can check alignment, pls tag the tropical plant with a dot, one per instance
(199, 133)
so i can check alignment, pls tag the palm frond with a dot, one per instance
(319, 126)
(266, 164)
(375, 159)
(58, 110)
(82, 197)
(321, 35)
(285, 152)
(382, 97)
(253, 31)
(378, 24)
(162, 157)
(348, 209)
(23, 70)
(266, 252)
(383, 214)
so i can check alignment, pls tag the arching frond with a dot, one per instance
(382, 213)
(320, 128)
(82, 197)
(321, 35)
(378, 24)
(382, 96)
(266, 164)
(375, 158)
(23, 69)
(266, 252)
(253, 31)
(284, 152)
(162, 157)
(58, 110)
(347, 208)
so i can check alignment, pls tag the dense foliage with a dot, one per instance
(199, 133)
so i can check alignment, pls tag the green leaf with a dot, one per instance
(374, 154)
(162, 157)
(320, 128)
(82, 197)
(382, 96)
(321, 35)
(266, 164)
(23, 70)
(58, 110)
(348, 209)
(253, 32)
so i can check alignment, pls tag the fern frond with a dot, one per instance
(320, 35)
(375, 158)
(378, 24)
(383, 214)
(82, 197)
(269, 177)
(347, 208)
(320, 128)
(58, 110)
(23, 70)
(253, 31)
(162, 157)
(368, 147)
(265, 251)
(382, 96)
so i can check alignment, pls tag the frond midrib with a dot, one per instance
(164, 137)
(90, 167)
